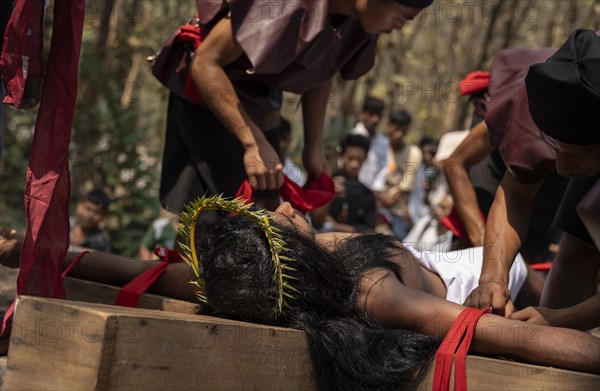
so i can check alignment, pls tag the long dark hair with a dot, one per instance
(349, 351)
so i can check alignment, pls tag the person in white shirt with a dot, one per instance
(400, 176)
(377, 159)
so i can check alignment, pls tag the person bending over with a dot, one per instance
(560, 98)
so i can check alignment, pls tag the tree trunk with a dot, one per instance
(483, 56)
(103, 31)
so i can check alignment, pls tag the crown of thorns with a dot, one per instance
(238, 206)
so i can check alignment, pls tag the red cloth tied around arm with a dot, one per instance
(72, 265)
(130, 294)
(457, 341)
(315, 193)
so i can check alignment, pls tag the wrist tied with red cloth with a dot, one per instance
(455, 346)
(130, 294)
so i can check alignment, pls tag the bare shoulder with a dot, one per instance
(392, 304)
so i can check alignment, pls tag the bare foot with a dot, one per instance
(10, 245)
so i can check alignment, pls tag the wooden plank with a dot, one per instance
(485, 373)
(106, 347)
(103, 347)
(40, 339)
(93, 292)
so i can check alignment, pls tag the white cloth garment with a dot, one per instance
(377, 159)
(294, 172)
(460, 271)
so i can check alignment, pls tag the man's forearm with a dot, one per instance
(563, 348)
(471, 151)
(507, 225)
(583, 316)
(103, 267)
(465, 201)
(117, 270)
(219, 49)
(220, 97)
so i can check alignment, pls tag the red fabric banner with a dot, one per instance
(48, 186)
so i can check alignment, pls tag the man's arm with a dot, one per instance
(392, 304)
(504, 232)
(583, 316)
(471, 151)
(220, 48)
(314, 106)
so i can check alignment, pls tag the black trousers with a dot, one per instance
(201, 157)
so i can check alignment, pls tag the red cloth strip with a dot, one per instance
(75, 262)
(130, 294)
(315, 193)
(460, 359)
(48, 186)
(542, 267)
(455, 224)
(194, 35)
(457, 341)
(444, 355)
(22, 49)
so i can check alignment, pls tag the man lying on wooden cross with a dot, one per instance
(373, 314)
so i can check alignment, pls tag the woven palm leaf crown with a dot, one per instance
(238, 206)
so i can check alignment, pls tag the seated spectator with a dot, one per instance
(161, 233)
(400, 177)
(429, 180)
(353, 208)
(293, 171)
(377, 159)
(89, 215)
